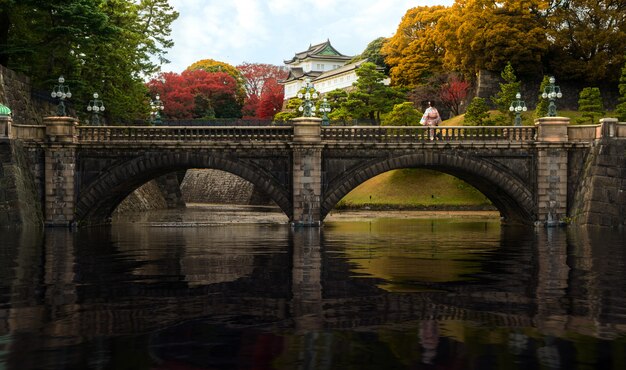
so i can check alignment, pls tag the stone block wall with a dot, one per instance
(147, 197)
(19, 200)
(15, 93)
(601, 196)
(214, 186)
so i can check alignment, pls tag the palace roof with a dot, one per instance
(320, 51)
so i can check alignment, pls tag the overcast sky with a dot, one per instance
(270, 31)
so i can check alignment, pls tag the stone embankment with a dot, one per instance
(197, 186)
(16, 93)
(601, 199)
(19, 200)
(214, 186)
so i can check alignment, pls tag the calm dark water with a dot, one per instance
(385, 294)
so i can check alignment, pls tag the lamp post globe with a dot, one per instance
(325, 109)
(552, 92)
(156, 107)
(95, 106)
(309, 94)
(61, 92)
(518, 106)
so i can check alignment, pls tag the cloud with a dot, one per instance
(234, 31)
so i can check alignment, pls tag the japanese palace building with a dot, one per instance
(324, 66)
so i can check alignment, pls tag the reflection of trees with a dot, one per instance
(528, 297)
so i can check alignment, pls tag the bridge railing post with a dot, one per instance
(552, 166)
(609, 127)
(60, 170)
(5, 126)
(307, 171)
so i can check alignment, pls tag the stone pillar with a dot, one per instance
(307, 171)
(60, 167)
(552, 170)
(609, 129)
(5, 126)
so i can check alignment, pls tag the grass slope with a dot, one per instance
(414, 188)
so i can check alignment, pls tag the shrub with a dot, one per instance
(403, 114)
(477, 113)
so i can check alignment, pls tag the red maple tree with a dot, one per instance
(262, 89)
(271, 100)
(197, 94)
(453, 93)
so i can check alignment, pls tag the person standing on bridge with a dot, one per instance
(431, 118)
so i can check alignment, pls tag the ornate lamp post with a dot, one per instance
(325, 109)
(552, 92)
(309, 94)
(95, 107)
(156, 106)
(518, 106)
(61, 92)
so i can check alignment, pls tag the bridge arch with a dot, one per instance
(97, 201)
(510, 195)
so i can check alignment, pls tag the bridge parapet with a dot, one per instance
(381, 134)
(184, 133)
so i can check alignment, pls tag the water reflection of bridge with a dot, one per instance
(559, 296)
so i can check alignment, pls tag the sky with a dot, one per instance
(271, 31)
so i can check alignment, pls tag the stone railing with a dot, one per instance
(421, 133)
(190, 134)
(29, 132)
(584, 132)
(621, 129)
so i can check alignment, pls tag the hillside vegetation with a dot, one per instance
(412, 188)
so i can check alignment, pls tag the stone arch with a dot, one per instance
(512, 197)
(97, 200)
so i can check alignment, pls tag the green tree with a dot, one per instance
(403, 114)
(621, 107)
(590, 104)
(290, 112)
(105, 46)
(373, 54)
(371, 96)
(477, 113)
(506, 95)
(542, 104)
(336, 98)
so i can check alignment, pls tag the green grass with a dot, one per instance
(414, 188)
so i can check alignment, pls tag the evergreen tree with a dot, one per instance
(290, 112)
(403, 114)
(507, 92)
(371, 96)
(477, 113)
(104, 46)
(590, 103)
(542, 104)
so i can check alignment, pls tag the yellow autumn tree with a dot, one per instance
(486, 34)
(413, 53)
(589, 39)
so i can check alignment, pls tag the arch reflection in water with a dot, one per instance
(350, 295)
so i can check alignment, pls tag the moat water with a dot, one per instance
(380, 293)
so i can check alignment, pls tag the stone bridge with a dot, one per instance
(532, 174)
